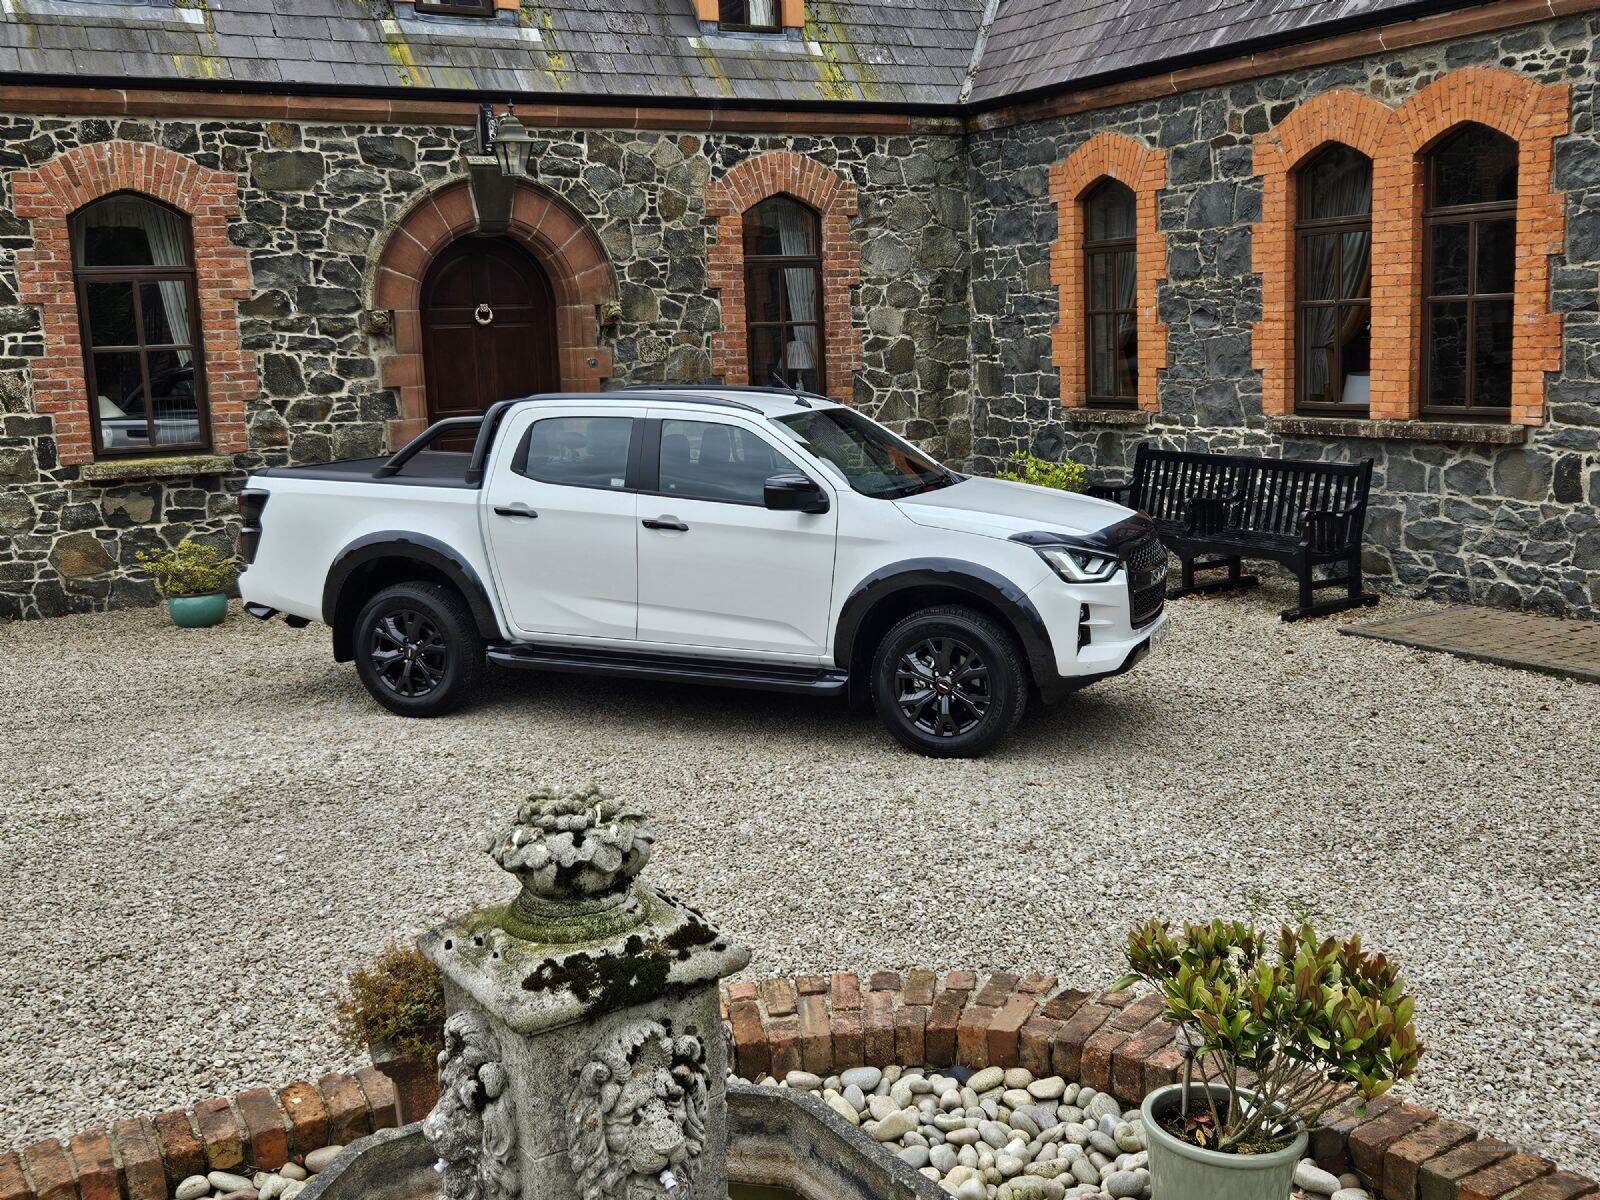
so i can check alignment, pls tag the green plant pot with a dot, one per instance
(197, 612)
(1179, 1171)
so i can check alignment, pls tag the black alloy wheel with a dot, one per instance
(418, 650)
(409, 653)
(943, 685)
(949, 682)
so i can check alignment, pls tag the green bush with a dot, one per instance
(193, 569)
(1041, 472)
(398, 1000)
(1310, 1019)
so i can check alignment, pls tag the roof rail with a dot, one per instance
(729, 387)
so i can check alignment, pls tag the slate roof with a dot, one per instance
(903, 52)
(1035, 44)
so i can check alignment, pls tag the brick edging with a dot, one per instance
(144, 1158)
(1114, 1042)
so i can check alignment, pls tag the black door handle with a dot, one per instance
(661, 523)
(515, 512)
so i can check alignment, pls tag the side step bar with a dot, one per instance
(811, 681)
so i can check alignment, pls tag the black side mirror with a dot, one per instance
(794, 493)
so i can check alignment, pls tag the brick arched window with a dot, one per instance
(831, 199)
(783, 295)
(1107, 259)
(1333, 282)
(1469, 265)
(1110, 295)
(133, 272)
(59, 198)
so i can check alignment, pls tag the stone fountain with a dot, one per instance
(585, 1056)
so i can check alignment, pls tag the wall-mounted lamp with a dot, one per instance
(506, 139)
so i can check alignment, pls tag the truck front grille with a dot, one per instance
(1147, 580)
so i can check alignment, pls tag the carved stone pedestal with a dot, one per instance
(584, 1056)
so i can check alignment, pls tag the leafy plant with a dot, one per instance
(192, 569)
(398, 1000)
(1065, 476)
(1298, 1025)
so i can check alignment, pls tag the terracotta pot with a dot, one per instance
(1181, 1171)
(416, 1081)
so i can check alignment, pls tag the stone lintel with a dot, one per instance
(1480, 433)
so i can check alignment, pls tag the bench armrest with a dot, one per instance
(1110, 489)
(1330, 529)
(1209, 514)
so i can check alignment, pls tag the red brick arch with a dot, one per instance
(783, 172)
(1334, 118)
(558, 238)
(48, 195)
(1144, 171)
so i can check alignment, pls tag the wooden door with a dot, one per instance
(488, 327)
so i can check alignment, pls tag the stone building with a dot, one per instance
(244, 232)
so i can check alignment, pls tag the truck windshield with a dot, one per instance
(867, 456)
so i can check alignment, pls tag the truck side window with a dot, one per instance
(577, 451)
(702, 460)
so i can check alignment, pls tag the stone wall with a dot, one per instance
(1511, 524)
(315, 201)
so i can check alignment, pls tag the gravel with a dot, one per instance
(207, 827)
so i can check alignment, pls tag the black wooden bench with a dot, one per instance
(1214, 510)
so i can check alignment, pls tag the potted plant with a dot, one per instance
(1278, 1035)
(394, 1009)
(195, 579)
(1065, 476)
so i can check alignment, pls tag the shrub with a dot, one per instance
(1311, 1019)
(398, 1000)
(193, 569)
(1041, 472)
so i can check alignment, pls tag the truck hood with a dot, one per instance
(999, 508)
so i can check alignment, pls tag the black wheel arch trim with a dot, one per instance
(981, 582)
(420, 548)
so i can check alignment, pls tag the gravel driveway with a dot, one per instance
(203, 829)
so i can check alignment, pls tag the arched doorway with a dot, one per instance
(488, 327)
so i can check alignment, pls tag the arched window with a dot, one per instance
(783, 295)
(1469, 273)
(1333, 274)
(133, 268)
(1111, 324)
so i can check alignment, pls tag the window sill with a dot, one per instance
(1080, 418)
(1462, 432)
(165, 466)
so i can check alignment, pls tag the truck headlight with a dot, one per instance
(1079, 566)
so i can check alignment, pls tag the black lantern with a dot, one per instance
(512, 144)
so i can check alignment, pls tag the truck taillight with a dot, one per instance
(252, 503)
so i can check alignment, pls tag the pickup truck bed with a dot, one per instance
(429, 468)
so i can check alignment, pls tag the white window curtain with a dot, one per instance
(794, 233)
(763, 12)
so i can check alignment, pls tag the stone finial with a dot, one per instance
(576, 854)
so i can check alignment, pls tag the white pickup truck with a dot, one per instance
(749, 537)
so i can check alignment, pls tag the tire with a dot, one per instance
(417, 649)
(951, 722)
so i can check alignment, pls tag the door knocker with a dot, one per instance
(483, 314)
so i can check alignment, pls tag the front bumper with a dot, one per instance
(1091, 630)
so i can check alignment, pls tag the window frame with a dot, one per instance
(778, 262)
(477, 9)
(1474, 217)
(82, 277)
(1306, 228)
(743, 27)
(650, 457)
(1108, 248)
(631, 465)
